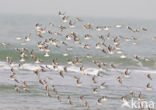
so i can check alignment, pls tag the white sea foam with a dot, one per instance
(31, 67)
(89, 70)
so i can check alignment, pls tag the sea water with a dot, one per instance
(12, 26)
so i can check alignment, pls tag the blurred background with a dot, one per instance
(135, 9)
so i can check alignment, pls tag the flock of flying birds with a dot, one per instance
(45, 44)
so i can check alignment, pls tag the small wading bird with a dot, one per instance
(69, 100)
(73, 46)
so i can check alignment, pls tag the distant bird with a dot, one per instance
(95, 91)
(37, 72)
(54, 89)
(132, 93)
(41, 81)
(143, 28)
(82, 98)
(124, 99)
(99, 101)
(69, 100)
(75, 77)
(14, 79)
(68, 37)
(71, 24)
(65, 19)
(4, 44)
(25, 84)
(140, 96)
(106, 28)
(20, 66)
(104, 98)
(26, 89)
(97, 46)
(127, 73)
(82, 69)
(48, 78)
(129, 28)
(46, 54)
(149, 76)
(87, 36)
(86, 103)
(147, 59)
(13, 71)
(119, 79)
(88, 26)
(137, 58)
(112, 65)
(58, 97)
(110, 49)
(27, 38)
(48, 94)
(102, 86)
(61, 14)
(22, 59)
(148, 86)
(89, 56)
(94, 80)
(61, 74)
(65, 68)
(153, 38)
(37, 60)
(17, 88)
(78, 82)
(98, 28)
(78, 20)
